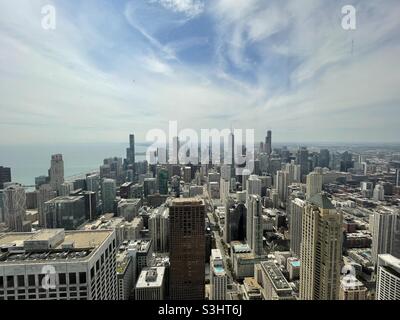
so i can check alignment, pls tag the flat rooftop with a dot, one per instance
(151, 278)
(275, 275)
(186, 202)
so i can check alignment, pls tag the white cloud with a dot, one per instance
(191, 8)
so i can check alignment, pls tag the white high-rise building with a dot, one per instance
(14, 199)
(321, 250)
(158, 228)
(388, 278)
(379, 193)
(281, 185)
(59, 265)
(314, 184)
(386, 233)
(297, 209)
(254, 226)
(293, 171)
(56, 172)
(253, 185)
(218, 277)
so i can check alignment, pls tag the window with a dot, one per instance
(21, 281)
(72, 278)
(82, 277)
(62, 279)
(41, 277)
(1, 282)
(31, 280)
(10, 281)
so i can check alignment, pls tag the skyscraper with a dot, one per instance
(130, 152)
(313, 184)
(324, 158)
(108, 194)
(297, 208)
(45, 194)
(386, 233)
(162, 175)
(5, 176)
(254, 227)
(268, 142)
(56, 172)
(321, 250)
(14, 207)
(187, 248)
(253, 185)
(281, 185)
(218, 277)
(388, 278)
(302, 160)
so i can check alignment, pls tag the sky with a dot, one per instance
(110, 68)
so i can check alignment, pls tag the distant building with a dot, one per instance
(151, 284)
(218, 277)
(45, 194)
(5, 176)
(56, 172)
(314, 184)
(14, 204)
(65, 212)
(108, 194)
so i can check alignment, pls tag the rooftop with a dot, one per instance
(151, 278)
(275, 275)
(322, 201)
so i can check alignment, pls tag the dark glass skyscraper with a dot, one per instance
(187, 248)
(130, 152)
(5, 176)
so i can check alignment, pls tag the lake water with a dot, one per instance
(29, 161)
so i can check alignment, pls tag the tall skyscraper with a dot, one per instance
(302, 160)
(56, 172)
(281, 185)
(386, 233)
(5, 176)
(321, 250)
(388, 278)
(268, 142)
(14, 207)
(254, 227)
(187, 248)
(297, 209)
(45, 194)
(313, 184)
(130, 152)
(158, 228)
(324, 158)
(218, 277)
(253, 185)
(108, 194)
(162, 176)
(293, 171)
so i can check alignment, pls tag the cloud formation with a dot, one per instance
(111, 68)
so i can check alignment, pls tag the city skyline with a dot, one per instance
(250, 64)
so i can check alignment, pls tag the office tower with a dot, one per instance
(224, 187)
(297, 209)
(174, 151)
(108, 194)
(254, 226)
(324, 158)
(386, 233)
(163, 181)
(151, 284)
(125, 275)
(93, 183)
(268, 143)
(158, 229)
(66, 212)
(321, 250)
(281, 185)
(187, 174)
(253, 185)
(388, 278)
(313, 184)
(352, 289)
(80, 265)
(66, 188)
(231, 150)
(218, 277)
(274, 284)
(130, 152)
(5, 176)
(302, 160)
(294, 172)
(149, 186)
(56, 172)
(346, 162)
(14, 199)
(235, 220)
(187, 248)
(45, 194)
(379, 193)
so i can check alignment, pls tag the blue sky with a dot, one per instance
(115, 67)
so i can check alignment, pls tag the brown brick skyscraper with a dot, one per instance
(187, 248)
